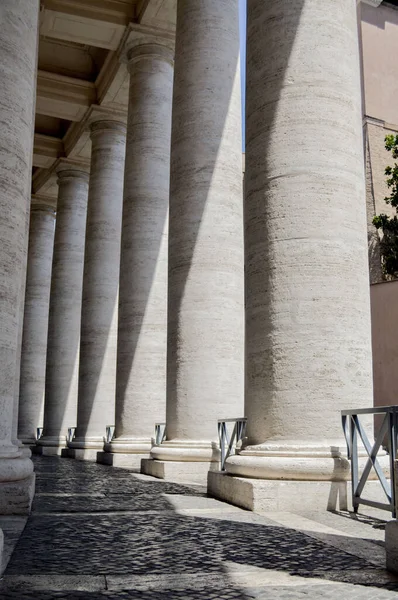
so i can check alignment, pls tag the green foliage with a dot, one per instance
(389, 225)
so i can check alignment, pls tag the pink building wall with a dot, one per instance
(379, 34)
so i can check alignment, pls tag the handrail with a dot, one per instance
(160, 433)
(227, 440)
(352, 426)
(71, 434)
(110, 433)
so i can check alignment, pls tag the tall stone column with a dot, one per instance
(26, 451)
(205, 296)
(142, 339)
(98, 344)
(60, 402)
(18, 51)
(35, 327)
(308, 347)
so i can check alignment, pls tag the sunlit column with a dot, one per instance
(35, 327)
(308, 346)
(18, 52)
(141, 363)
(60, 402)
(98, 344)
(205, 297)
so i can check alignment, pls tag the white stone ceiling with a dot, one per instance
(80, 72)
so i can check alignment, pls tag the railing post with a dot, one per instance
(354, 462)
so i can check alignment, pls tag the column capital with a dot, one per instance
(105, 125)
(67, 169)
(149, 50)
(43, 204)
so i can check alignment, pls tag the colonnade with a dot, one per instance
(171, 297)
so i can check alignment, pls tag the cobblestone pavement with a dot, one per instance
(97, 532)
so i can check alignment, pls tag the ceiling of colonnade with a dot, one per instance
(80, 72)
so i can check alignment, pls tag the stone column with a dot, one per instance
(60, 403)
(26, 451)
(18, 51)
(308, 346)
(97, 371)
(142, 340)
(205, 301)
(35, 327)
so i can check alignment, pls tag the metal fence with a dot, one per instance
(353, 431)
(160, 433)
(228, 439)
(109, 433)
(71, 434)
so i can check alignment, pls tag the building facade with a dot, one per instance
(159, 294)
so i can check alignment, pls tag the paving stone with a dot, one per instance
(97, 532)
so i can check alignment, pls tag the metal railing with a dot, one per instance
(229, 439)
(71, 434)
(160, 433)
(353, 428)
(110, 432)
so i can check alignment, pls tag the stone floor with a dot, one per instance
(98, 532)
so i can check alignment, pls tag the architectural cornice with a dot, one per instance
(46, 150)
(374, 3)
(63, 97)
(117, 12)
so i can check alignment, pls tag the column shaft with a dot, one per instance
(141, 365)
(21, 312)
(97, 372)
(35, 327)
(18, 50)
(205, 302)
(60, 404)
(308, 352)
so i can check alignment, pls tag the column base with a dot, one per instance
(26, 451)
(272, 495)
(49, 450)
(179, 472)
(123, 461)
(89, 454)
(16, 496)
(50, 446)
(392, 546)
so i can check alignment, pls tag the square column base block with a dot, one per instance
(269, 495)
(16, 496)
(82, 454)
(123, 461)
(392, 546)
(178, 472)
(49, 450)
(266, 495)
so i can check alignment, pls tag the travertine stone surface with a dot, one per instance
(205, 306)
(18, 50)
(98, 344)
(35, 328)
(60, 404)
(21, 310)
(142, 341)
(308, 352)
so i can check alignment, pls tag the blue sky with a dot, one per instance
(242, 23)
